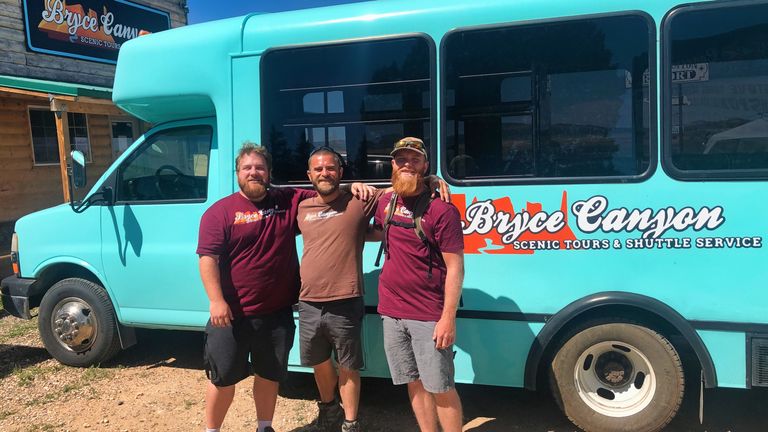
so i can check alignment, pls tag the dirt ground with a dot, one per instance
(158, 385)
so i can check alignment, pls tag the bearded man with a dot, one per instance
(331, 307)
(419, 290)
(243, 238)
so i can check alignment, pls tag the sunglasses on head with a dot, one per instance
(409, 144)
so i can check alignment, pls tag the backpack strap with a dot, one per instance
(388, 219)
(422, 202)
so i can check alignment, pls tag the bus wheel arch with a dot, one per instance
(50, 274)
(632, 307)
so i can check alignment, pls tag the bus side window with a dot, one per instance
(716, 92)
(172, 165)
(560, 99)
(355, 97)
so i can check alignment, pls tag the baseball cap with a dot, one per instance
(410, 143)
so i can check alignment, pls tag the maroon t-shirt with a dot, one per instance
(404, 289)
(256, 246)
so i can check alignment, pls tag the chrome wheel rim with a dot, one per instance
(74, 325)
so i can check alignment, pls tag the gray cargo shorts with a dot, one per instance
(411, 355)
(333, 326)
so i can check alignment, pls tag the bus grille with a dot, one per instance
(760, 362)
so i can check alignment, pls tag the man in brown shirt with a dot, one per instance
(331, 307)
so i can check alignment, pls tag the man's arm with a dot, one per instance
(221, 315)
(436, 183)
(361, 190)
(445, 330)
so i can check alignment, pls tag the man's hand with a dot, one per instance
(362, 190)
(221, 315)
(445, 333)
(436, 183)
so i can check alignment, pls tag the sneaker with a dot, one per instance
(351, 426)
(329, 417)
(269, 429)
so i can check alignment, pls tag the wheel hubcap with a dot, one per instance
(73, 324)
(615, 379)
(613, 369)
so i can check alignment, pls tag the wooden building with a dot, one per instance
(56, 78)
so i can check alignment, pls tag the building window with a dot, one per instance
(45, 145)
(716, 94)
(122, 135)
(556, 101)
(78, 134)
(359, 98)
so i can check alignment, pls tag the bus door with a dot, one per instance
(150, 233)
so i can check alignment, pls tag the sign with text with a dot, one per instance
(88, 29)
(493, 226)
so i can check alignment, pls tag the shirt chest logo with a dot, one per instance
(255, 216)
(322, 214)
(403, 211)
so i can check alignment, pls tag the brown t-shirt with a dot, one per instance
(334, 235)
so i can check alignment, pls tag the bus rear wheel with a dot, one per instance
(77, 323)
(618, 376)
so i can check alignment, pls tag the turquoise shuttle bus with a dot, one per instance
(609, 161)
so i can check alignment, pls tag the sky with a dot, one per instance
(209, 10)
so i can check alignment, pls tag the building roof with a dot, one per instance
(55, 87)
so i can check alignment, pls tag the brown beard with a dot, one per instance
(326, 188)
(406, 187)
(253, 191)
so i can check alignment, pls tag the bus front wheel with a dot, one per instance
(77, 323)
(618, 376)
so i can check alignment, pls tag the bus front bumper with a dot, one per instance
(15, 293)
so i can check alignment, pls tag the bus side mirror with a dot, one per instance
(79, 178)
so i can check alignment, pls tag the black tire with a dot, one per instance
(77, 323)
(618, 377)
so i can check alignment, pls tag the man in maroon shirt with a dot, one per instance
(419, 290)
(250, 271)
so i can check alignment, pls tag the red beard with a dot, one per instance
(406, 186)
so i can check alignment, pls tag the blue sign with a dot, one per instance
(88, 29)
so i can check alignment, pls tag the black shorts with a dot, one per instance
(325, 327)
(267, 339)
